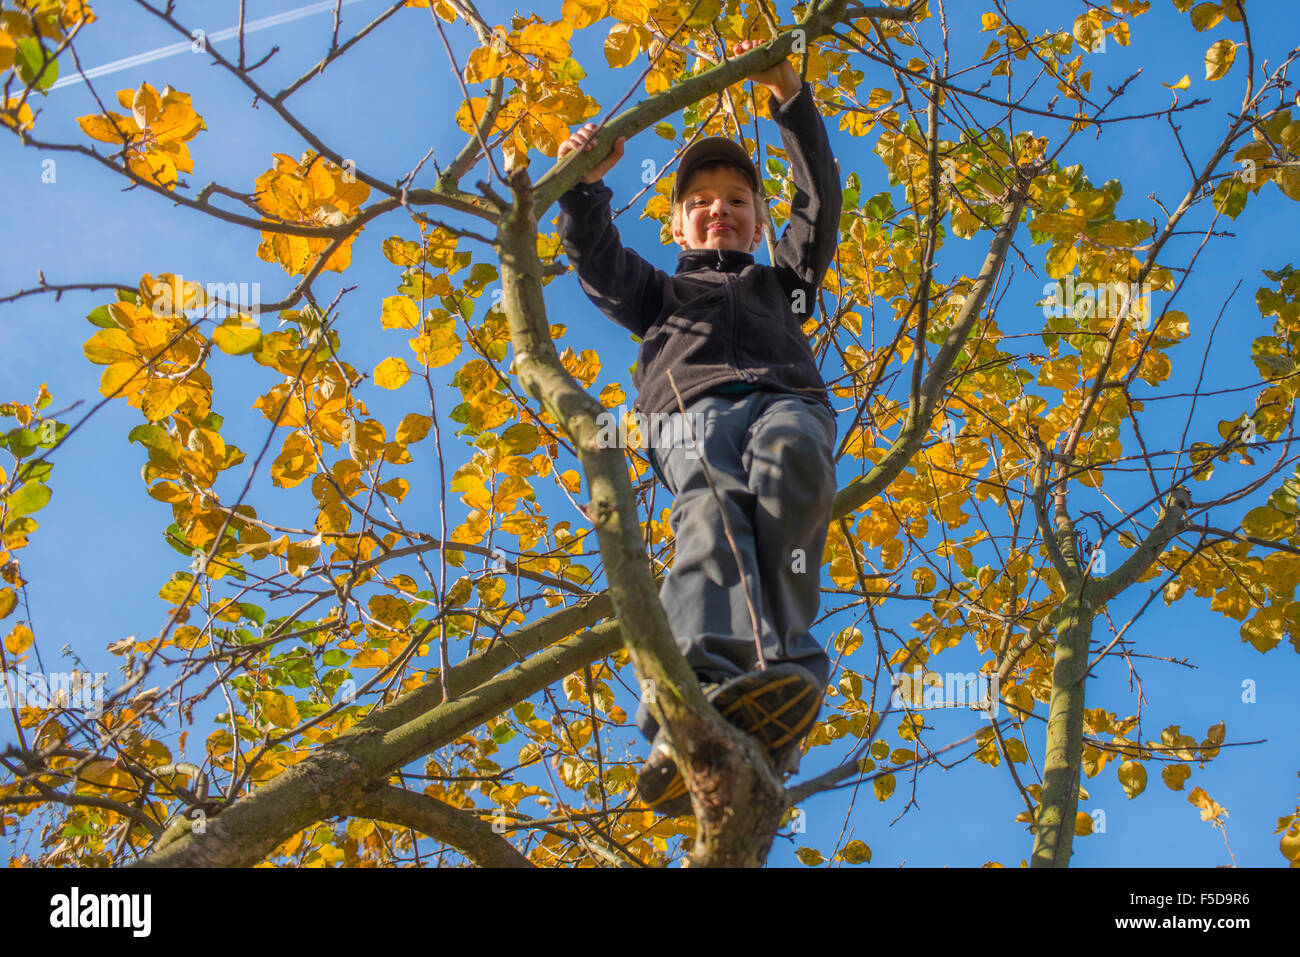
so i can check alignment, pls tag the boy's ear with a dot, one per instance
(679, 235)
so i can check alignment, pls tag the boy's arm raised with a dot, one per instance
(807, 245)
(622, 285)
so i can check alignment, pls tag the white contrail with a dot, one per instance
(185, 46)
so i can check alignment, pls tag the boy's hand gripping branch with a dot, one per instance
(584, 139)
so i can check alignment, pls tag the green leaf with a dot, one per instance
(502, 733)
(28, 60)
(252, 612)
(101, 317)
(1230, 197)
(150, 436)
(35, 471)
(22, 442)
(28, 499)
(60, 430)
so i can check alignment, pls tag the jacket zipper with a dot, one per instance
(734, 314)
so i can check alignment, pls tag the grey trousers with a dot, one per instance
(770, 458)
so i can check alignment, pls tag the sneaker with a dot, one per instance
(660, 784)
(777, 705)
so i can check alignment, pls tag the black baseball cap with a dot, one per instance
(710, 150)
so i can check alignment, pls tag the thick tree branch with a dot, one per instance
(448, 825)
(1054, 825)
(819, 23)
(861, 490)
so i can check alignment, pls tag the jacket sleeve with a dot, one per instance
(808, 243)
(623, 286)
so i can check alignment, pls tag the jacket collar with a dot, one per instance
(723, 260)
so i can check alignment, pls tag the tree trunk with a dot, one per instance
(1054, 834)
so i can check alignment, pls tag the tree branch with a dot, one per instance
(448, 825)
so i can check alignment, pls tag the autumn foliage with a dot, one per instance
(988, 443)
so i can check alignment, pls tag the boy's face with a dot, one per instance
(717, 212)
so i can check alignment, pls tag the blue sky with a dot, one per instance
(96, 564)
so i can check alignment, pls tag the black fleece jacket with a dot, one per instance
(721, 318)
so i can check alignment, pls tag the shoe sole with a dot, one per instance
(777, 706)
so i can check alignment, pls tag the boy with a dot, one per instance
(724, 334)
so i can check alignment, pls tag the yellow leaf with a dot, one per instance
(1265, 630)
(1061, 260)
(1065, 223)
(583, 13)
(1218, 59)
(1290, 844)
(396, 487)
(612, 395)
(189, 637)
(371, 658)
(848, 641)
(399, 313)
(108, 127)
(809, 856)
(19, 640)
(390, 610)
(1211, 810)
(520, 439)
(1267, 522)
(1133, 778)
(550, 41)
(622, 44)
(296, 461)
(1182, 84)
(279, 709)
(17, 115)
(103, 773)
(1155, 368)
(884, 786)
(855, 852)
(1206, 15)
(1175, 776)
(175, 592)
(438, 344)
(392, 373)
(413, 428)
(237, 339)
